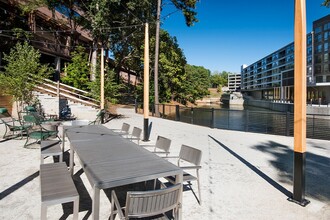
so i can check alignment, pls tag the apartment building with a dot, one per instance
(272, 77)
(234, 82)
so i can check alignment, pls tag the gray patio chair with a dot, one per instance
(152, 204)
(162, 145)
(136, 135)
(124, 130)
(189, 155)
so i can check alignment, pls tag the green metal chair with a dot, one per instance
(99, 117)
(12, 125)
(38, 130)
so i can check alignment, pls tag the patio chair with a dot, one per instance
(136, 135)
(37, 130)
(99, 116)
(189, 155)
(152, 204)
(124, 129)
(162, 145)
(11, 124)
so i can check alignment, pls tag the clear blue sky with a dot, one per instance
(231, 33)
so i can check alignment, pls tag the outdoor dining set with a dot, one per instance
(109, 158)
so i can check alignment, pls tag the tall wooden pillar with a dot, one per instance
(300, 91)
(146, 85)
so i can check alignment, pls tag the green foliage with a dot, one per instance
(196, 84)
(78, 72)
(111, 88)
(326, 3)
(22, 73)
(219, 79)
(171, 67)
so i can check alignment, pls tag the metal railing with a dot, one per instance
(69, 92)
(267, 122)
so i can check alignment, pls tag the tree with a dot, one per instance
(326, 3)
(171, 66)
(219, 79)
(196, 84)
(78, 71)
(23, 73)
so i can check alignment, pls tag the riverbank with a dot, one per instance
(243, 176)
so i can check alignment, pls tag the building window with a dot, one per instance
(317, 69)
(318, 59)
(319, 79)
(326, 35)
(326, 57)
(309, 39)
(318, 38)
(326, 26)
(326, 47)
(309, 60)
(319, 48)
(318, 30)
(326, 68)
(328, 78)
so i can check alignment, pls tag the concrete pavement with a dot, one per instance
(243, 176)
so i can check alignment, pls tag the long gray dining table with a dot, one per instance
(109, 160)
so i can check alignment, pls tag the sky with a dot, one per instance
(235, 32)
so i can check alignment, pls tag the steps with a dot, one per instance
(52, 105)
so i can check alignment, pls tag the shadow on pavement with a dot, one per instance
(254, 169)
(317, 168)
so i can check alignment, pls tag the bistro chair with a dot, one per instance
(124, 130)
(136, 135)
(11, 124)
(162, 146)
(152, 204)
(189, 155)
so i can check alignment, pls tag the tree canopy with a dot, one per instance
(23, 72)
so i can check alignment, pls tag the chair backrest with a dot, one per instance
(163, 143)
(31, 119)
(150, 203)
(125, 128)
(136, 133)
(190, 154)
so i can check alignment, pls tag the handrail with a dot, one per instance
(64, 85)
(69, 92)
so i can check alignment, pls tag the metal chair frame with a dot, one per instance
(140, 204)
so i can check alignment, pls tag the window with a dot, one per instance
(326, 47)
(328, 78)
(309, 39)
(326, 26)
(318, 59)
(317, 69)
(309, 51)
(319, 79)
(318, 38)
(326, 57)
(318, 30)
(326, 68)
(326, 35)
(318, 48)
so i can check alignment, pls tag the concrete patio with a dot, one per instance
(243, 176)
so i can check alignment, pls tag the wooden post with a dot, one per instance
(299, 103)
(102, 78)
(146, 84)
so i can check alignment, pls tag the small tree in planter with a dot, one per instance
(23, 72)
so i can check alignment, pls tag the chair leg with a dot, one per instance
(199, 189)
(43, 212)
(75, 208)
